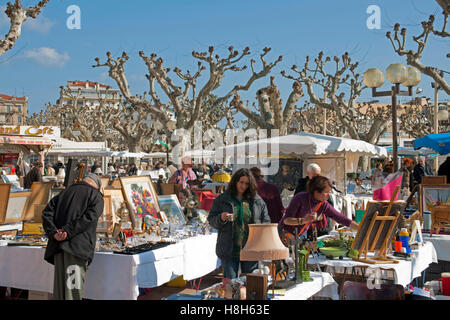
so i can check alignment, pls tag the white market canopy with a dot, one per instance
(157, 155)
(103, 153)
(305, 143)
(200, 153)
(65, 147)
(336, 156)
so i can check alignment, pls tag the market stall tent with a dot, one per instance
(408, 151)
(440, 142)
(336, 156)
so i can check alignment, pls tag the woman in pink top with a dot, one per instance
(185, 174)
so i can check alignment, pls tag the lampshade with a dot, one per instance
(264, 244)
(397, 73)
(373, 78)
(413, 77)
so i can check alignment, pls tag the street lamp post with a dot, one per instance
(397, 74)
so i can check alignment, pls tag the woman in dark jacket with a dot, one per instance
(231, 213)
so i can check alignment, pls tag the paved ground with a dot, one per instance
(165, 291)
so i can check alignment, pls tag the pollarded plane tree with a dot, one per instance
(413, 57)
(193, 101)
(311, 118)
(416, 120)
(342, 86)
(17, 15)
(270, 112)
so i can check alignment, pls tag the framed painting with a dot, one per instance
(289, 172)
(172, 208)
(4, 198)
(15, 208)
(141, 196)
(116, 199)
(433, 195)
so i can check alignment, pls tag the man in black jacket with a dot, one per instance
(444, 169)
(34, 175)
(420, 170)
(70, 222)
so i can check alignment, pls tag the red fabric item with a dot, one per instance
(386, 192)
(206, 199)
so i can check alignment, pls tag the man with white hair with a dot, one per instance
(420, 170)
(312, 170)
(70, 223)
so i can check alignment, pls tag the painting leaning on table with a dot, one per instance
(434, 195)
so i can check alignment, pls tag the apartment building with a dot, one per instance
(13, 110)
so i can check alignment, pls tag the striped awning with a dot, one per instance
(24, 143)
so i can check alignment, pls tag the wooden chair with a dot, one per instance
(440, 218)
(359, 291)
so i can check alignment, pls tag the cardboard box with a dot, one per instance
(39, 295)
(170, 188)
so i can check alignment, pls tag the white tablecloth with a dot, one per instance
(199, 256)
(112, 276)
(404, 271)
(441, 243)
(322, 286)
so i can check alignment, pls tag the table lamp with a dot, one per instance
(264, 243)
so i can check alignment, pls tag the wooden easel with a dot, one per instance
(380, 254)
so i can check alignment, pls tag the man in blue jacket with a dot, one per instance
(70, 222)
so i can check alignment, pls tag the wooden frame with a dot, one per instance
(376, 229)
(40, 195)
(434, 180)
(15, 205)
(172, 208)
(116, 199)
(141, 196)
(430, 195)
(4, 198)
(105, 223)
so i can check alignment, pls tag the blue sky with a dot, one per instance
(48, 54)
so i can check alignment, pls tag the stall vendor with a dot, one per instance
(312, 205)
(185, 174)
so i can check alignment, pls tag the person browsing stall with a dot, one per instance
(306, 206)
(270, 194)
(70, 223)
(231, 213)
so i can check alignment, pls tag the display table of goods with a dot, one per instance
(120, 267)
(336, 256)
